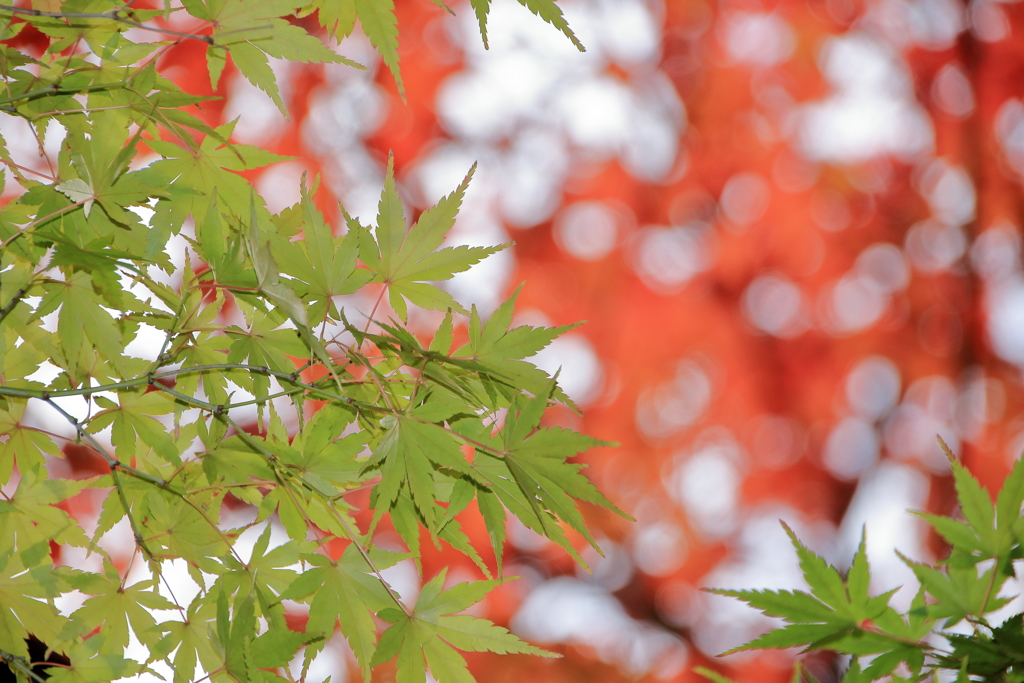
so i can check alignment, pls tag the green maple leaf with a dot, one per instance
(102, 164)
(537, 461)
(832, 616)
(190, 642)
(206, 349)
(988, 531)
(275, 648)
(347, 592)
(989, 656)
(408, 259)
(101, 261)
(252, 30)
(545, 9)
(407, 455)
(271, 567)
(235, 461)
(264, 344)
(25, 600)
(91, 662)
(430, 634)
(112, 510)
(324, 263)
(531, 510)
(25, 445)
(337, 16)
(183, 529)
(32, 516)
(407, 520)
(82, 321)
(121, 610)
(211, 170)
(377, 18)
(245, 653)
(499, 351)
(322, 459)
(131, 420)
(231, 634)
(960, 591)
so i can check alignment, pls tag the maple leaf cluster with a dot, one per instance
(792, 229)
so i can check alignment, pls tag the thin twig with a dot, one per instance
(110, 16)
(30, 226)
(21, 664)
(14, 301)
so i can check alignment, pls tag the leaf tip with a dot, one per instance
(945, 449)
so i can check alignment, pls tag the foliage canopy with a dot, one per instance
(252, 317)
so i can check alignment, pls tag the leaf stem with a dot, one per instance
(366, 557)
(26, 168)
(988, 592)
(114, 466)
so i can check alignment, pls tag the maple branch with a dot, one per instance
(234, 484)
(264, 399)
(220, 408)
(170, 332)
(18, 296)
(21, 664)
(364, 362)
(113, 15)
(150, 378)
(55, 89)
